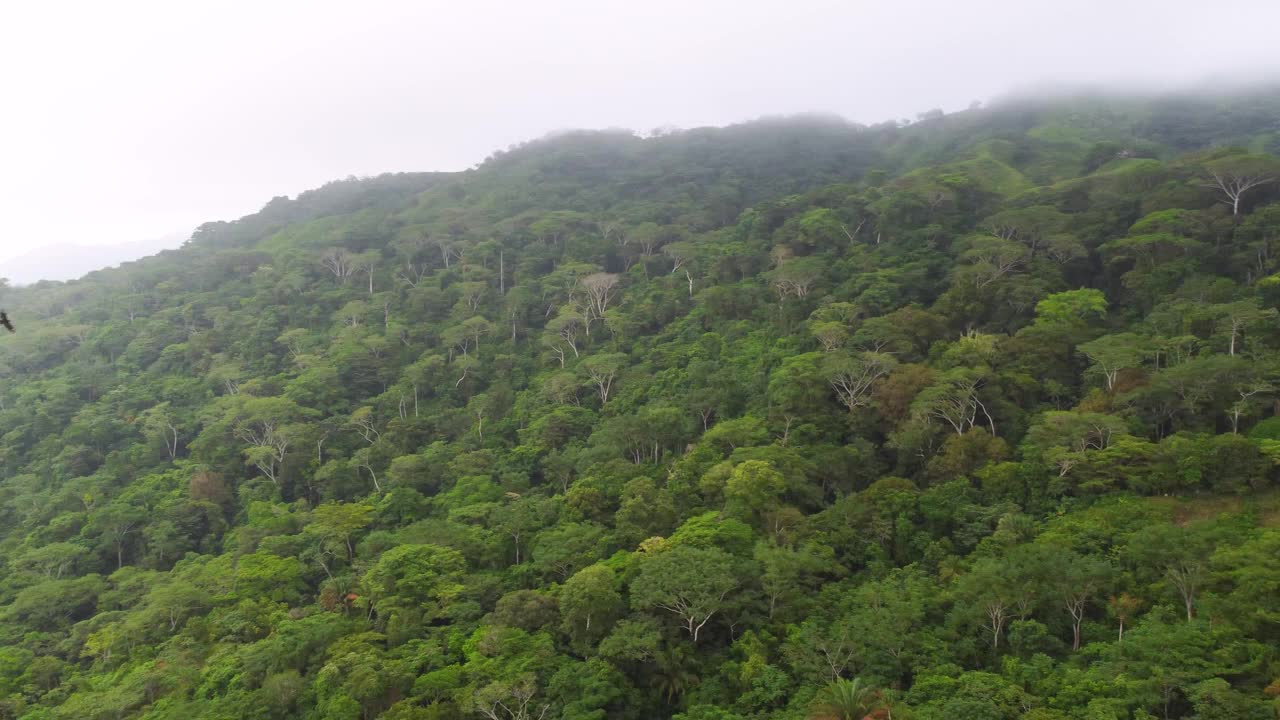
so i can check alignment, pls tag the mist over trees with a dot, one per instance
(969, 417)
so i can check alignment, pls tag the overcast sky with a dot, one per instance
(123, 121)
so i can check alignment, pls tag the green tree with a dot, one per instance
(337, 523)
(1110, 354)
(754, 487)
(788, 574)
(845, 699)
(414, 578)
(691, 583)
(1073, 307)
(602, 371)
(589, 601)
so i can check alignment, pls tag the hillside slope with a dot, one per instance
(972, 418)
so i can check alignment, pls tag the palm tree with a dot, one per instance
(845, 700)
(673, 677)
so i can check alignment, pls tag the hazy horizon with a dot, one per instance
(143, 121)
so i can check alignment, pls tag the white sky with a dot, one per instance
(128, 120)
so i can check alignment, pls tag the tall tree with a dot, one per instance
(1235, 175)
(692, 583)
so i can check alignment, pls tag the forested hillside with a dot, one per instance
(972, 418)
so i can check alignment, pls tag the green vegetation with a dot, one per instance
(971, 419)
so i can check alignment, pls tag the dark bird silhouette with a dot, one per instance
(4, 320)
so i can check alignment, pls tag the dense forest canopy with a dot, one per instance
(967, 418)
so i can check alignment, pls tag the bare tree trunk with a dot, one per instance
(172, 447)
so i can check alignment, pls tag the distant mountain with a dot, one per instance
(68, 261)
